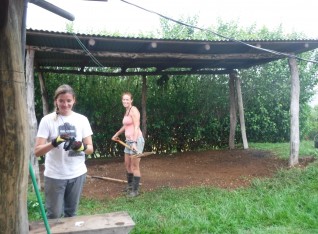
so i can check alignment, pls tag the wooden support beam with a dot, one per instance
(294, 112)
(29, 68)
(139, 73)
(125, 55)
(44, 95)
(241, 111)
(232, 111)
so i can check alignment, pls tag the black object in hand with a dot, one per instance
(60, 139)
(68, 143)
(78, 146)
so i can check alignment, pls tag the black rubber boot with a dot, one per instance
(129, 186)
(135, 188)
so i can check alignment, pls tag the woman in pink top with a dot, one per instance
(134, 138)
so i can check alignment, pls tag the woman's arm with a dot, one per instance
(135, 115)
(42, 146)
(120, 131)
(89, 144)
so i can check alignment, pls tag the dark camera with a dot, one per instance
(68, 143)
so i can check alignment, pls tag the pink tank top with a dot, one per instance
(129, 128)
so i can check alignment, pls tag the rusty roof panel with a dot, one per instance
(77, 51)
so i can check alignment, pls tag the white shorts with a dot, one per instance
(140, 146)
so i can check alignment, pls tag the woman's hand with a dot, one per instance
(134, 147)
(115, 138)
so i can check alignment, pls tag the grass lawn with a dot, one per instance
(286, 203)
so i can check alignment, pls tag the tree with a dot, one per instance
(14, 135)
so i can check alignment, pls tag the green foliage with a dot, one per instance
(312, 123)
(33, 206)
(173, 30)
(34, 209)
(179, 114)
(266, 97)
(70, 27)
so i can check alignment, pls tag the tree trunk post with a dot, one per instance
(294, 112)
(144, 106)
(241, 112)
(232, 111)
(14, 128)
(45, 104)
(29, 67)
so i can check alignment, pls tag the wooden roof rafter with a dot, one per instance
(64, 50)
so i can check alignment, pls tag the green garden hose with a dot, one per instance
(47, 226)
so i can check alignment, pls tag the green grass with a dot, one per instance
(286, 203)
(282, 150)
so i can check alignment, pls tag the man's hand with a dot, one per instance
(60, 139)
(78, 146)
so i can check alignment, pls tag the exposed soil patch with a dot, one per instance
(228, 169)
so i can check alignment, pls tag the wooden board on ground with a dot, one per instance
(117, 222)
(107, 178)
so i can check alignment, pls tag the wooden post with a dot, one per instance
(14, 128)
(294, 112)
(45, 103)
(29, 67)
(144, 106)
(232, 111)
(241, 112)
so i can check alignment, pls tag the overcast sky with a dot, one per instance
(118, 16)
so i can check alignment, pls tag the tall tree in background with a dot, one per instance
(14, 137)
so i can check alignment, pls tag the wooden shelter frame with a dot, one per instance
(52, 49)
(57, 52)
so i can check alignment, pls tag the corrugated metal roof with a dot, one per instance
(58, 49)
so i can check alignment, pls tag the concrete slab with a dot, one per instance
(117, 222)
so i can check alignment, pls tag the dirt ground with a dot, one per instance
(227, 169)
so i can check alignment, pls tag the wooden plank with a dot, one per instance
(109, 179)
(116, 222)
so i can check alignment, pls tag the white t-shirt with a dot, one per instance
(61, 164)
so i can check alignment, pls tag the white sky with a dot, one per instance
(117, 16)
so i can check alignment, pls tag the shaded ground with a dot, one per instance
(225, 169)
